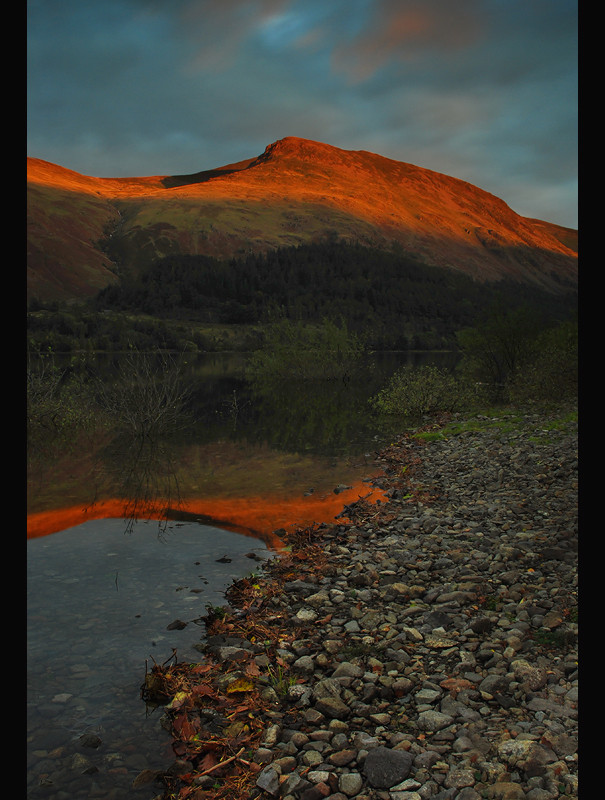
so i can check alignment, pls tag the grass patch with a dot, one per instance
(506, 421)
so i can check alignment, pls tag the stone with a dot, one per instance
(342, 757)
(332, 707)
(427, 696)
(433, 721)
(505, 791)
(514, 751)
(459, 778)
(304, 664)
(294, 784)
(318, 775)
(560, 743)
(316, 792)
(90, 740)
(494, 684)
(81, 764)
(350, 783)
(268, 781)
(145, 777)
(363, 741)
(405, 795)
(347, 670)
(385, 767)
(306, 615)
(531, 676)
(176, 625)
(312, 758)
(270, 735)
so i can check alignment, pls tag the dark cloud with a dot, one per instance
(484, 90)
(407, 32)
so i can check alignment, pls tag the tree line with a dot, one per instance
(404, 304)
(393, 300)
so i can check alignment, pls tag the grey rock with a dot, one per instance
(304, 664)
(332, 707)
(385, 767)
(468, 793)
(268, 781)
(433, 721)
(350, 783)
(347, 670)
(494, 684)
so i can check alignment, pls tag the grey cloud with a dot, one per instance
(127, 87)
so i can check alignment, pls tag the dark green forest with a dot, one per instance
(394, 301)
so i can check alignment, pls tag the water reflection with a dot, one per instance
(99, 601)
(241, 440)
(100, 604)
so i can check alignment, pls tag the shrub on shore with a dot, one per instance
(506, 360)
(414, 391)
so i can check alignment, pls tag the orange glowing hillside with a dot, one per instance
(84, 231)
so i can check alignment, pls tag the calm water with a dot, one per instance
(101, 594)
(99, 605)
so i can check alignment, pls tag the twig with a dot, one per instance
(222, 763)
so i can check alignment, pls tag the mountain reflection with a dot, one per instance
(216, 441)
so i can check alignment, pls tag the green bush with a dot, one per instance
(551, 369)
(495, 350)
(414, 391)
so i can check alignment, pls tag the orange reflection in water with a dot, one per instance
(258, 517)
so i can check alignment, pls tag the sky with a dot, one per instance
(482, 90)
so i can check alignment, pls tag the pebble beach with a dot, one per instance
(422, 646)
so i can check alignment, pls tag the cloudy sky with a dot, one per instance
(483, 90)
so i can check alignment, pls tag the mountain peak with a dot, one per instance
(296, 144)
(297, 191)
(304, 149)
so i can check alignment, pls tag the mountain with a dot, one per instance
(84, 233)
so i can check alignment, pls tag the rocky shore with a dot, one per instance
(421, 647)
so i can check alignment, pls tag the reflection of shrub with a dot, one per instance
(293, 351)
(413, 391)
(148, 397)
(57, 404)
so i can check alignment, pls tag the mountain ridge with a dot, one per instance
(84, 232)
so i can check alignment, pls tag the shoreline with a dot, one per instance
(422, 647)
(255, 516)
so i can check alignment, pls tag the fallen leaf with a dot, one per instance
(208, 761)
(236, 729)
(183, 726)
(202, 690)
(240, 685)
(201, 669)
(178, 700)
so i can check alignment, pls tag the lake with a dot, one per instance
(111, 589)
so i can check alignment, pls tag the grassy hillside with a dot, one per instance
(85, 231)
